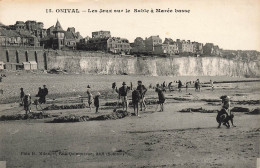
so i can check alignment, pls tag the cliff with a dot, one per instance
(101, 63)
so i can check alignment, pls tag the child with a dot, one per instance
(161, 99)
(136, 98)
(212, 85)
(187, 85)
(225, 109)
(27, 101)
(21, 96)
(96, 101)
(90, 97)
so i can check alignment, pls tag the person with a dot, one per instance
(96, 101)
(161, 99)
(22, 94)
(44, 94)
(163, 85)
(136, 98)
(179, 85)
(90, 99)
(211, 84)
(187, 85)
(170, 86)
(142, 90)
(224, 111)
(198, 84)
(113, 86)
(27, 101)
(123, 95)
(131, 85)
(226, 104)
(40, 95)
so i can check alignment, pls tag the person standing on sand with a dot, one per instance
(211, 84)
(179, 85)
(44, 93)
(142, 90)
(27, 101)
(198, 83)
(90, 99)
(22, 94)
(96, 101)
(40, 95)
(136, 98)
(114, 86)
(161, 99)
(187, 85)
(131, 85)
(123, 95)
(170, 86)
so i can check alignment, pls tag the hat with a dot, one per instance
(139, 81)
(225, 98)
(88, 86)
(98, 94)
(123, 83)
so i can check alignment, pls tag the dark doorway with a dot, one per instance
(17, 57)
(7, 56)
(45, 61)
(26, 56)
(36, 57)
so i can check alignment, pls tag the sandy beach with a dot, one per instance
(155, 139)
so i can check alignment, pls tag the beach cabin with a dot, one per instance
(2, 65)
(33, 65)
(26, 66)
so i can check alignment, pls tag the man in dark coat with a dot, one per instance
(44, 93)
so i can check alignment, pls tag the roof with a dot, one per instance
(69, 35)
(58, 27)
(155, 37)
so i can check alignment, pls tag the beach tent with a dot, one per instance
(33, 65)
(26, 66)
(2, 65)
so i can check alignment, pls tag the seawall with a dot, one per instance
(104, 63)
(101, 63)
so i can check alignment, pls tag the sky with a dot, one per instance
(231, 24)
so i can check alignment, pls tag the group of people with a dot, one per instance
(90, 99)
(42, 93)
(138, 96)
(26, 100)
(180, 85)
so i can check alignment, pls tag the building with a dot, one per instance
(209, 49)
(197, 48)
(101, 34)
(118, 45)
(59, 39)
(17, 38)
(169, 47)
(151, 42)
(138, 47)
(115, 45)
